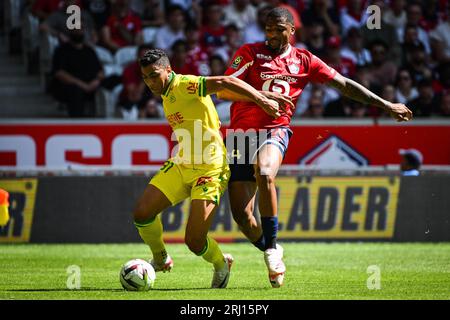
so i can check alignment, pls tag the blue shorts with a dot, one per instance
(243, 147)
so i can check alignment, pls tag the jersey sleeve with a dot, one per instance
(192, 85)
(241, 62)
(319, 71)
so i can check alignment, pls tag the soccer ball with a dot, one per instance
(137, 275)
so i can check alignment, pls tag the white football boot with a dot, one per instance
(221, 277)
(275, 265)
(166, 266)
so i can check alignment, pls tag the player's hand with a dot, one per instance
(399, 112)
(271, 107)
(283, 101)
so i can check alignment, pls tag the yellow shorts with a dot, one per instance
(179, 182)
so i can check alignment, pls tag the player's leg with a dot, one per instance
(196, 237)
(242, 186)
(148, 223)
(164, 190)
(268, 163)
(242, 196)
(269, 159)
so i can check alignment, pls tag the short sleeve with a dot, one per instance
(241, 62)
(192, 85)
(319, 71)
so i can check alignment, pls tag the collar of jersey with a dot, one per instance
(171, 78)
(284, 54)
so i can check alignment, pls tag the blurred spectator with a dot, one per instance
(396, 16)
(321, 12)
(410, 41)
(444, 107)
(412, 159)
(151, 109)
(255, 32)
(405, 91)
(240, 13)
(440, 40)
(99, 10)
(414, 16)
(217, 65)
(232, 43)
(152, 15)
(178, 58)
(315, 40)
(192, 8)
(328, 94)
(77, 75)
(357, 109)
(196, 55)
(123, 27)
(418, 65)
(444, 77)
(42, 9)
(338, 108)
(297, 19)
(426, 102)
(386, 33)
(135, 94)
(334, 59)
(382, 71)
(315, 104)
(173, 29)
(354, 49)
(353, 15)
(430, 16)
(212, 33)
(56, 24)
(387, 93)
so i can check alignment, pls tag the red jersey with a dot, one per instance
(131, 22)
(287, 73)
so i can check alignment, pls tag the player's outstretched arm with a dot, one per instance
(237, 88)
(355, 91)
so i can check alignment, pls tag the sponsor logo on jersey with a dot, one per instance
(265, 76)
(334, 153)
(236, 62)
(267, 65)
(294, 68)
(203, 180)
(263, 56)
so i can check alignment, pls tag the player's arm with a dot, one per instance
(282, 99)
(355, 91)
(242, 89)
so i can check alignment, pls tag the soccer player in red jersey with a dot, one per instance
(280, 71)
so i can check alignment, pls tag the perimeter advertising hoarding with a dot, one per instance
(64, 144)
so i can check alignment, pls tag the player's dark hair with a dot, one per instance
(413, 162)
(281, 13)
(155, 56)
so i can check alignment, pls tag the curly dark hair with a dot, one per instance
(155, 56)
(281, 13)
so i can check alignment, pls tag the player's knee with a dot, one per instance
(195, 243)
(140, 213)
(264, 177)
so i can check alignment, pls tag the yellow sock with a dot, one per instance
(212, 253)
(151, 232)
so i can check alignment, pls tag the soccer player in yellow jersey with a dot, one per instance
(199, 168)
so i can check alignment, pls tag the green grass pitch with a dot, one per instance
(314, 271)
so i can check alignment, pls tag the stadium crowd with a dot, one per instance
(406, 60)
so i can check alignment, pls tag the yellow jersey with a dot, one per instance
(194, 121)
